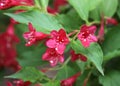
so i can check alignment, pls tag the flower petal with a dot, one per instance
(51, 43)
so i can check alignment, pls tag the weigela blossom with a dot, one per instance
(19, 83)
(58, 41)
(53, 57)
(5, 4)
(70, 81)
(111, 21)
(75, 56)
(86, 35)
(58, 3)
(51, 10)
(8, 53)
(32, 36)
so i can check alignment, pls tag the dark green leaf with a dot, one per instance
(41, 21)
(70, 21)
(110, 46)
(65, 72)
(28, 74)
(110, 79)
(93, 53)
(28, 56)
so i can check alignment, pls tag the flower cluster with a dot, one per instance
(56, 46)
(86, 35)
(19, 83)
(33, 36)
(8, 52)
(5, 4)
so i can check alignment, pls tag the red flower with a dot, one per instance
(32, 36)
(52, 56)
(111, 21)
(70, 81)
(58, 40)
(101, 31)
(5, 4)
(51, 10)
(86, 35)
(58, 3)
(7, 48)
(75, 56)
(19, 83)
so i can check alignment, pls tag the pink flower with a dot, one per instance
(75, 56)
(111, 21)
(32, 36)
(58, 40)
(5, 4)
(70, 81)
(58, 3)
(52, 56)
(86, 35)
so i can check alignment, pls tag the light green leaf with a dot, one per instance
(28, 74)
(109, 7)
(93, 4)
(93, 53)
(81, 7)
(41, 21)
(67, 71)
(110, 79)
(84, 6)
(52, 83)
(44, 4)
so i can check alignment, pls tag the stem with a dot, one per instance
(37, 4)
(75, 36)
(86, 80)
(94, 22)
(72, 33)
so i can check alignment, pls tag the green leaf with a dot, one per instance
(44, 4)
(52, 83)
(93, 53)
(84, 6)
(41, 21)
(109, 7)
(118, 11)
(110, 79)
(28, 56)
(70, 21)
(93, 4)
(28, 74)
(81, 7)
(65, 72)
(110, 46)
